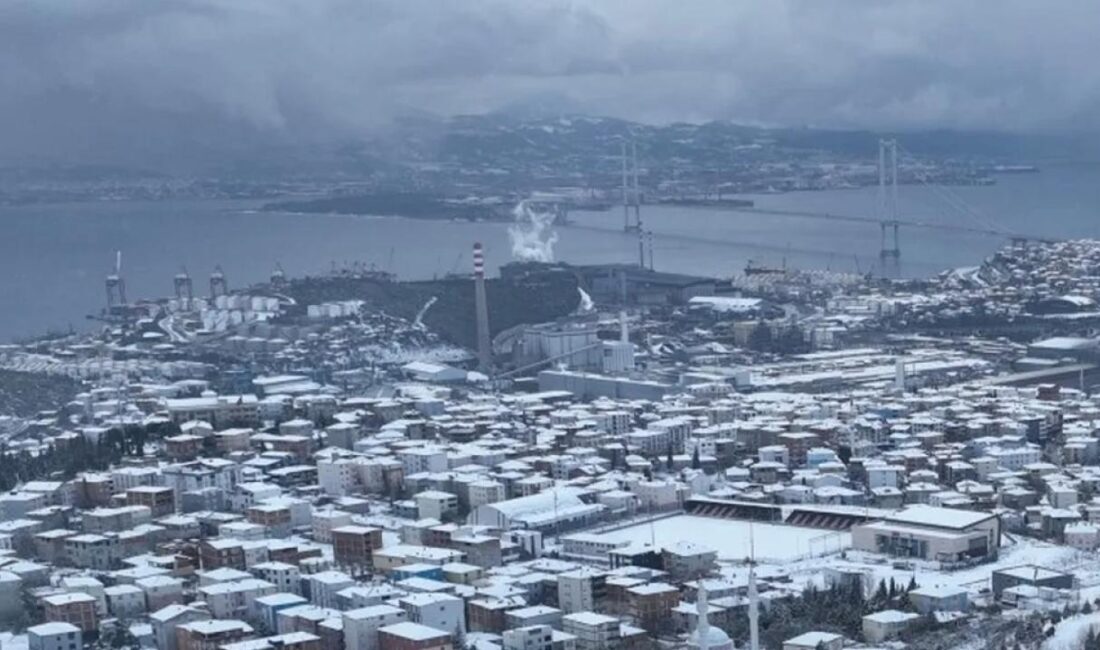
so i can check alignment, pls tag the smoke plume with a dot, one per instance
(532, 234)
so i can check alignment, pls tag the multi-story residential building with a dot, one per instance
(678, 429)
(235, 599)
(97, 552)
(490, 614)
(325, 586)
(361, 625)
(382, 475)
(75, 608)
(165, 621)
(436, 504)
(485, 492)
(440, 611)
(799, 443)
(423, 459)
(219, 410)
(688, 561)
(581, 590)
(231, 440)
(125, 601)
(57, 493)
(660, 495)
(210, 634)
(202, 474)
(161, 500)
(286, 577)
(413, 636)
(49, 545)
(354, 546)
(218, 553)
(338, 476)
(113, 520)
(265, 609)
(615, 423)
(15, 505)
(592, 631)
(323, 521)
(289, 641)
(55, 636)
(533, 637)
(274, 518)
(650, 605)
(160, 591)
(533, 616)
(11, 595)
(88, 585)
(126, 478)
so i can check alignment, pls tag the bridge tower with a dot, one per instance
(889, 250)
(888, 199)
(637, 192)
(632, 196)
(116, 286)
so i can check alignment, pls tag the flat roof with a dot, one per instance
(1031, 572)
(811, 639)
(414, 631)
(50, 629)
(939, 517)
(590, 618)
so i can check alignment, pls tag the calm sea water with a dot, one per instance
(53, 257)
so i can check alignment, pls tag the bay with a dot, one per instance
(53, 258)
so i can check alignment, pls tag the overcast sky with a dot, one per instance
(78, 75)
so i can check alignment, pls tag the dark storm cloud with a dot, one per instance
(145, 75)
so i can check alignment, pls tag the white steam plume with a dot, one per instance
(532, 234)
(587, 304)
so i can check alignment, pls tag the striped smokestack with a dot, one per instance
(481, 308)
(479, 261)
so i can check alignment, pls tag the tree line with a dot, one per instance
(65, 460)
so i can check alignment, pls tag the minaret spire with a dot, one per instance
(702, 628)
(754, 598)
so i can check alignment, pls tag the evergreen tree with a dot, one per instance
(881, 596)
(791, 341)
(844, 453)
(696, 463)
(760, 338)
(668, 459)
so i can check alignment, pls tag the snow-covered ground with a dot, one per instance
(9, 641)
(731, 538)
(1085, 566)
(1070, 633)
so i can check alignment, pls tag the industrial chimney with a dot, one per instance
(184, 292)
(481, 307)
(218, 284)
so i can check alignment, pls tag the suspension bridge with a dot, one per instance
(968, 219)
